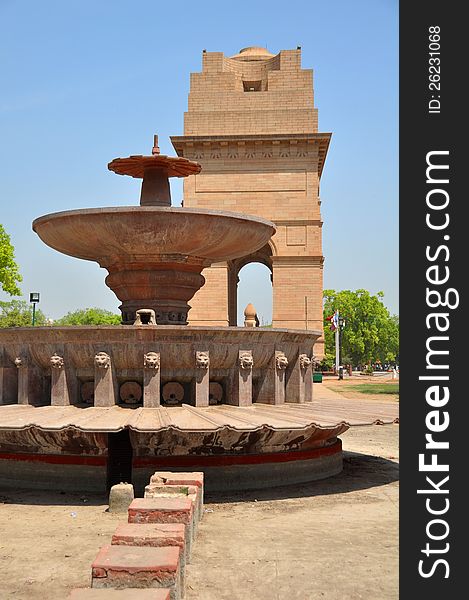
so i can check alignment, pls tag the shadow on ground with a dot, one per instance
(361, 471)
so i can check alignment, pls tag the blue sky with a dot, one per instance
(83, 82)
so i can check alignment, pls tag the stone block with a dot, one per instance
(155, 535)
(183, 478)
(194, 493)
(165, 510)
(120, 497)
(121, 567)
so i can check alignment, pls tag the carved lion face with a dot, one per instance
(56, 361)
(305, 361)
(245, 360)
(151, 360)
(281, 361)
(102, 360)
(202, 360)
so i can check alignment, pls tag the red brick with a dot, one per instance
(150, 534)
(193, 492)
(184, 478)
(165, 510)
(137, 567)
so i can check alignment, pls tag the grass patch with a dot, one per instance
(370, 388)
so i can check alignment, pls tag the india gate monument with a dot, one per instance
(252, 125)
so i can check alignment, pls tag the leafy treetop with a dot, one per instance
(371, 333)
(9, 272)
(89, 316)
(18, 313)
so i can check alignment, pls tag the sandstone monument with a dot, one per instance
(252, 125)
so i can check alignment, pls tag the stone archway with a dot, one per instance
(263, 256)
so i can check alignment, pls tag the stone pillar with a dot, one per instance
(242, 384)
(30, 382)
(105, 381)
(151, 379)
(272, 382)
(63, 383)
(8, 381)
(202, 378)
(296, 379)
(281, 364)
(308, 374)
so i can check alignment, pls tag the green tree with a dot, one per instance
(371, 333)
(18, 313)
(89, 316)
(9, 273)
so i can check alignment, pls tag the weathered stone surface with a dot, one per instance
(139, 567)
(193, 492)
(155, 535)
(165, 510)
(149, 534)
(195, 478)
(121, 496)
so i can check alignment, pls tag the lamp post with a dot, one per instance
(339, 335)
(34, 299)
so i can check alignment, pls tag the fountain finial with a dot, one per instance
(156, 148)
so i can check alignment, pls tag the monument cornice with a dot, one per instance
(185, 143)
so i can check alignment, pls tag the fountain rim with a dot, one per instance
(152, 209)
(165, 329)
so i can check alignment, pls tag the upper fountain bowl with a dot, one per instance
(107, 235)
(154, 255)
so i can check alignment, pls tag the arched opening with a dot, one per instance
(255, 286)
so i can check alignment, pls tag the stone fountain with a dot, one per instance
(87, 407)
(154, 253)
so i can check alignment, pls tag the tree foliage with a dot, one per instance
(18, 313)
(89, 316)
(9, 272)
(370, 334)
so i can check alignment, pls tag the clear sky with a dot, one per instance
(85, 81)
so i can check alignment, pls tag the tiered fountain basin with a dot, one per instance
(276, 435)
(154, 255)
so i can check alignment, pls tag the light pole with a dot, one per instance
(34, 299)
(339, 335)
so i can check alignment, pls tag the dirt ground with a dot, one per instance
(335, 539)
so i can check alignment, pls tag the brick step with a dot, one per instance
(193, 492)
(155, 535)
(127, 594)
(176, 509)
(138, 567)
(195, 478)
